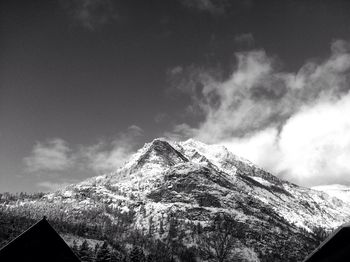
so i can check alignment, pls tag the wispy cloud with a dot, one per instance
(91, 14)
(56, 156)
(211, 6)
(51, 155)
(107, 156)
(261, 108)
(217, 7)
(245, 40)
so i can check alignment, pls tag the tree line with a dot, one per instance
(171, 239)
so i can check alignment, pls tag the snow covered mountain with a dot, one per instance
(339, 191)
(163, 173)
(195, 182)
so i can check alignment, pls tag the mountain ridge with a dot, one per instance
(193, 183)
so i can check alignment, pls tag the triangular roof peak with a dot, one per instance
(40, 242)
(335, 248)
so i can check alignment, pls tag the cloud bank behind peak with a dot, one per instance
(292, 123)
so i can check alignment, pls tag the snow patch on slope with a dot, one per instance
(261, 181)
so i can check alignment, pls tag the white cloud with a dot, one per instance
(315, 143)
(91, 14)
(57, 156)
(135, 130)
(176, 70)
(312, 148)
(294, 124)
(217, 7)
(258, 95)
(212, 6)
(107, 156)
(52, 155)
(261, 148)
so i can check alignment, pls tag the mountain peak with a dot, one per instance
(158, 153)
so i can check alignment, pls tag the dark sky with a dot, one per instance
(86, 71)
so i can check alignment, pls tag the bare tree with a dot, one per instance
(217, 242)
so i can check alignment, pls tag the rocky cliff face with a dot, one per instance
(194, 182)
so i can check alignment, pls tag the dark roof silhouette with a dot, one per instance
(38, 243)
(335, 248)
